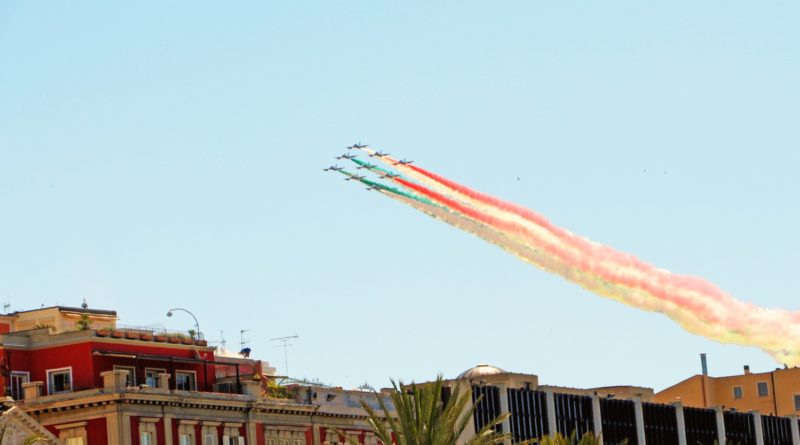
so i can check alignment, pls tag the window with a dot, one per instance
(59, 380)
(185, 381)
(737, 392)
(209, 439)
(185, 439)
(763, 389)
(17, 379)
(151, 376)
(130, 380)
(146, 438)
(72, 433)
(797, 402)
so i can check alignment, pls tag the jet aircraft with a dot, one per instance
(335, 168)
(379, 154)
(357, 145)
(403, 162)
(356, 177)
(367, 165)
(346, 156)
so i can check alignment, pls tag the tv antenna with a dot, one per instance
(286, 344)
(6, 306)
(242, 341)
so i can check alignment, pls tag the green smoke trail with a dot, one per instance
(386, 188)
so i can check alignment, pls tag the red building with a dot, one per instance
(87, 382)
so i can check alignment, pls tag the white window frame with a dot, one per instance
(50, 373)
(741, 392)
(27, 378)
(209, 439)
(149, 435)
(758, 392)
(158, 371)
(131, 372)
(186, 372)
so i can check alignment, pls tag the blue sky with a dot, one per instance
(158, 154)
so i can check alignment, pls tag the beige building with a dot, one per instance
(773, 392)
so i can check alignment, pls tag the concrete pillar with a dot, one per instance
(250, 432)
(681, 422)
(597, 419)
(638, 412)
(721, 439)
(759, 430)
(167, 429)
(251, 388)
(469, 430)
(31, 390)
(126, 429)
(114, 428)
(315, 440)
(795, 430)
(550, 400)
(163, 381)
(114, 381)
(505, 409)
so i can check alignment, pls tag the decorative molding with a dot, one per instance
(67, 426)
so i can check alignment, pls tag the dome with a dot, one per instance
(480, 371)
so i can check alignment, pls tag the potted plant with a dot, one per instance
(160, 337)
(187, 340)
(146, 336)
(133, 335)
(174, 339)
(117, 334)
(103, 332)
(200, 342)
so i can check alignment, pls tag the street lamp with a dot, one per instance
(196, 324)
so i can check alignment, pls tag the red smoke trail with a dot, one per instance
(579, 262)
(598, 251)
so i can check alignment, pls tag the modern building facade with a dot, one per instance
(613, 413)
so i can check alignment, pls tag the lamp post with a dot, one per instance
(196, 324)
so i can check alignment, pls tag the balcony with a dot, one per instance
(150, 334)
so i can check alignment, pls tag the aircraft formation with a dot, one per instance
(373, 168)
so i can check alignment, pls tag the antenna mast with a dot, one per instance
(285, 341)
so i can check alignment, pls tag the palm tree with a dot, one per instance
(421, 417)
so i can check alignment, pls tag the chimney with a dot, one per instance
(704, 364)
(746, 369)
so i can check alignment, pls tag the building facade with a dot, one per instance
(74, 377)
(615, 414)
(774, 392)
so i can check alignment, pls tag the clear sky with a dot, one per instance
(162, 154)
